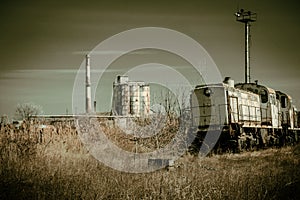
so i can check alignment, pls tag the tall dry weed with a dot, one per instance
(61, 168)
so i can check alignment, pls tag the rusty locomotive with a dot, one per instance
(246, 116)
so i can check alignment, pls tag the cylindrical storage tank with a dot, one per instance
(145, 100)
(125, 99)
(134, 99)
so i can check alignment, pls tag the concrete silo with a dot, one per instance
(130, 98)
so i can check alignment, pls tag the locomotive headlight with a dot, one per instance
(207, 92)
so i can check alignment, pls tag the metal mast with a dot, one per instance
(246, 17)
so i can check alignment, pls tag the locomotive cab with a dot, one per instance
(287, 110)
(269, 105)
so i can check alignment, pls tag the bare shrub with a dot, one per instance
(26, 110)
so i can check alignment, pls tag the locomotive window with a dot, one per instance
(283, 101)
(264, 96)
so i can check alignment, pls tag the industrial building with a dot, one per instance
(130, 98)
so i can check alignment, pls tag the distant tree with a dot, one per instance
(26, 110)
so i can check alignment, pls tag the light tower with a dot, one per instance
(246, 17)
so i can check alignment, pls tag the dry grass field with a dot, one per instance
(60, 168)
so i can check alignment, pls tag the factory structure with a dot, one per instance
(130, 98)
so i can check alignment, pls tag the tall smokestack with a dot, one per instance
(95, 106)
(88, 99)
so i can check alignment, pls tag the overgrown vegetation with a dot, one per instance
(57, 166)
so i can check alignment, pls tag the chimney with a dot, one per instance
(88, 99)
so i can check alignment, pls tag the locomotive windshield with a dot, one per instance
(283, 101)
(264, 96)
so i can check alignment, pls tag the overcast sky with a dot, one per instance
(42, 43)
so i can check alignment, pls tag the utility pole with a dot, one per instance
(246, 17)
